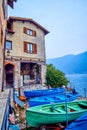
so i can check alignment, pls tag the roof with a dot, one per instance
(11, 3)
(12, 18)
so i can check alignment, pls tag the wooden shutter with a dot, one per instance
(35, 48)
(25, 46)
(1, 37)
(25, 30)
(11, 27)
(34, 33)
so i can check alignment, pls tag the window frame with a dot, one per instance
(31, 46)
(4, 9)
(29, 32)
(8, 48)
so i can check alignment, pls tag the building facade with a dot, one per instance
(3, 24)
(25, 58)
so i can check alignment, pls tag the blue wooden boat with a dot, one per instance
(18, 101)
(37, 93)
(54, 98)
(79, 124)
(13, 127)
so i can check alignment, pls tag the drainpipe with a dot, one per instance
(3, 74)
(3, 63)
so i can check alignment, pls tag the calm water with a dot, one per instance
(79, 81)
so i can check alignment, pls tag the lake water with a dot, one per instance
(79, 82)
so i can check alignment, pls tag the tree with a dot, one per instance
(55, 78)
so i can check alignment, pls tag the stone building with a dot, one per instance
(25, 59)
(3, 23)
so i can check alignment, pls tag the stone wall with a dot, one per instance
(32, 87)
(17, 51)
(3, 19)
(19, 37)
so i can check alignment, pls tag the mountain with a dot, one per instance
(70, 64)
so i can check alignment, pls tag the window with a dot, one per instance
(4, 8)
(26, 77)
(29, 32)
(8, 45)
(30, 47)
(10, 26)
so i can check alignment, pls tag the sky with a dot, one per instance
(66, 20)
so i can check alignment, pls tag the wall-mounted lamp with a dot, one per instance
(8, 53)
(16, 70)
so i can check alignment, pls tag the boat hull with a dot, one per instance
(54, 98)
(79, 124)
(37, 93)
(42, 115)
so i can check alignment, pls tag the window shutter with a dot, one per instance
(34, 33)
(25, 30)
(12, 27)
(25, 46)
(35, 48)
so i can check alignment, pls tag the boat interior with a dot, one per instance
(70, 107)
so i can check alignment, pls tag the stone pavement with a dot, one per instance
(3, 104)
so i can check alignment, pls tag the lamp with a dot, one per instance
(16, 70)
(8, 53)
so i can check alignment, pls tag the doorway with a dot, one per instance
(9, 71)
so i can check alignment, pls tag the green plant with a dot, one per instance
(55, 78)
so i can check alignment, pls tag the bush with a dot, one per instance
(55, 78)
